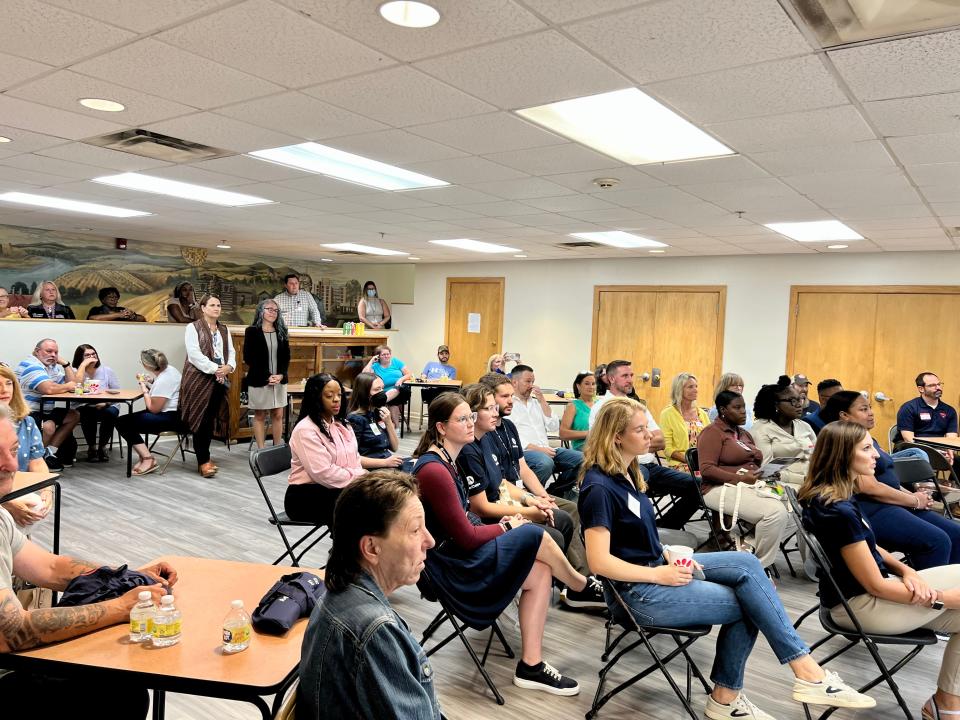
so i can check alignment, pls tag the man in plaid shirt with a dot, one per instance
(298, 307)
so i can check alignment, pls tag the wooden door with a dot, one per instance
(470, 300)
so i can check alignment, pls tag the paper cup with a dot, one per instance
(680, 555)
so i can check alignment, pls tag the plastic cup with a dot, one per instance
(680, 555)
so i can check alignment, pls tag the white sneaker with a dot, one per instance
(739, 709)
(830, 691)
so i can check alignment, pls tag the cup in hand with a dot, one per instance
(680, 555)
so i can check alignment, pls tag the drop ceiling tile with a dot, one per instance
(524, 72)
(618, 218)
(452, 195)
(879, 211)
(301, 115)
(917, 244)
(941, 193)
(488, 223)
(627, 179)
(899, 234)
(468, 169)
(222, 132)
(866, 155)
(54, 166)
(571, 157)
(562, 11)
(250, 168)
(170, 72)
(650, 199)
(660, 41)
(14, 70)
(66, 36)
(443, 212)
(691, 214)
(856, 189)
(566, 203)
(522, 189)
(792, 130)
(107, 160)
(755, 90)
(488, 133)
(138, 15)
(396, 147)
(393, 200)
(556, 223)
(273, 192)
(718, 169)
(503, 208)
(191, 174)
(923, 149)
(321, 186)
(463, 23)
(51, 121)
(927, 114)
(335, 205)
(921, 65)
(25, 141)
(938, 174)
(285, 210)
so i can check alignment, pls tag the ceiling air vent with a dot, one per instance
(157, 146)
(577, 244)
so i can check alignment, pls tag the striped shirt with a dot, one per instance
(31, 373)
(298, 310)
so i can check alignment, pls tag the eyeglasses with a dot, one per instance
(796, 402)
(271, 309)
(934, 385)
(89, 355)
(489, 409)
(465, 419)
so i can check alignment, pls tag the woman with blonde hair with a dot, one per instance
(734, 383)
(682, 421)
(47, 303)
(495, 364)
(730, 588)
(30, 450)
(887, 596)
(161, 395)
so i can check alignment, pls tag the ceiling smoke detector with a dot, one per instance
(605, 183)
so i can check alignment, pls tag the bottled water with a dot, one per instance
(141, 618)
(236, 628)
(166, 623)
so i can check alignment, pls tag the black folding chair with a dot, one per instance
(941, 466)
(915, 639)
(432, 592)
(707, 515)
(683, 637)
(273, 461)
(913, 472)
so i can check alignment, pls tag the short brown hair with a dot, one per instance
(494, 380)
(475, 395)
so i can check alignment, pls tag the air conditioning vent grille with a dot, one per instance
(577, 244)
(158, 147)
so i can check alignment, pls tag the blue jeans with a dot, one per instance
(132, 424)
(909, 453)
(683, 486)
(929, 538)
(566, 463)
(735, 595)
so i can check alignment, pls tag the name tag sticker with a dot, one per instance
(633, 504)
(374, 429)
(925, 416)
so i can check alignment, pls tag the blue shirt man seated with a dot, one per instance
(926, 415)
(441, 370)
(826, 389)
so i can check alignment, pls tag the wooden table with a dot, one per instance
(941, 443)
(196, 665)
(554, 399)
(450, 384)
(122, 396)
(25, 483)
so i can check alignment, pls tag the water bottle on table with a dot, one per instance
(141, 618)
(166, 623)
(237, 628)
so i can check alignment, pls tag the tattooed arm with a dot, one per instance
(45, 569)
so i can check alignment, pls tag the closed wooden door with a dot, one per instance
(672, 329)
(474, 324)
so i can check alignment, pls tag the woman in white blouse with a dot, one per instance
(779, 432)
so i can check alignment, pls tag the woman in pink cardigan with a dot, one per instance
(324, 453)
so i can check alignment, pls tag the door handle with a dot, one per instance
(644, 377)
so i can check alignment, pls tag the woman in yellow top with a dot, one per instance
(682, 421)
(8, 311)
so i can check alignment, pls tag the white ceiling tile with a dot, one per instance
(554, 159)
(927, 114)
(286, 210)
(452, 195)
(856, 188)
(917, 244)
(619, 218)
(659, 41)
(628, 179)
(392, 200)
(198, 176)
(524, 72)
(64, 88)
(334, 205)
(66, 36)
(463, 23)
(504, 208)
(384, 217)
(900, 233)
(488, 223)
(522, 189)
(468, 169)
(791, 130)
(941, 193)
(920, 65)
(557, 223)
(561, 11)
(691, 214)
(25, 141)
(103, 158)
(395, 147)
(717, 169)
(250, 168)
(866, 155)
(399, 96)
(14, 70)
(19, 174)
(54, 166)
(273, 192)
(321, 186)
(938, 174)
(222, 132)
(650, 199)
(442, 212)
(567, 203)
(302, 116)
(922, 149)
(169, 72)
(880, 211)
(489, 133)
(290, 50)
(139, 15)
(51, 121)
(755, 90)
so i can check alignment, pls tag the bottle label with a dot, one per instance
(137, 627)
(166, 629)
(236, 635)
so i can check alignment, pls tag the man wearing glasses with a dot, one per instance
(926, 415)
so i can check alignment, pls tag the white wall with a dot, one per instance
(549, 304)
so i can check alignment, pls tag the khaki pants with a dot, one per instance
(576, 553)
(767, 515)
(883, 616)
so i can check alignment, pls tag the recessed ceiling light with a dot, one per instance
(5, 139)
(475, 246)
(837, 247)
(368, 249)
(71, 205)
(628, 125)
(175, 188)
(816, 231)
(102, 105)
(413, 257)
(521, 255)
(657, 251)
(620, 239)
(316, 158)
(407, 13)
(223, 246)
(325, 260)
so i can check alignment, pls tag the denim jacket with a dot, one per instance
(359, 660)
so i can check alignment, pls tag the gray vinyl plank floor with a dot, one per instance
(111, 519)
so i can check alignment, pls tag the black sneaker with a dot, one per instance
(544, 677)
(53, 462)
(66, 462)
(590, 597)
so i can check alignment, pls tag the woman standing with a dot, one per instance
(576, 415)
(161, 395)
(7, 311)
(373, 310)
(623, 546)
(324, 457)
(779, 431)
(733, 383)
(372, 425)
(203, 389)
(393, 373)
(86, 361)
(182, 307)
(266, 353)
(887, 596)
(48, 304)
(682, 420)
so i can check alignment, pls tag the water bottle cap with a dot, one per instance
(144, 595)
(166, 600)
(238, 604)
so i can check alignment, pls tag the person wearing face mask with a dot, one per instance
(373, 311)
(8, 311)
(779, 432)
(373, 427)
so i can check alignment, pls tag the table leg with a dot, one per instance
(159, 705)
(56, 527)
(129, 445)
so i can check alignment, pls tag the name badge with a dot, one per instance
(633, 504)
(925, 416)
(744, 446)
(374, 429)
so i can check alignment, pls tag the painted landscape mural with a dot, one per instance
(146, 273)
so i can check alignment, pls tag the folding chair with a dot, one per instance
(182, 440)
(683, 637)
(431, 592)
(893, 437)
(693, 462)
(273, 461)
(940, 465)
(915, 639)
(913, 471)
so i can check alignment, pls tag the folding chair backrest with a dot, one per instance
(937, 461)
(893, 437)
(693, 460)
(270, 461)
(913, 470)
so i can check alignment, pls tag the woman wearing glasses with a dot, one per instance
(91, 371)
(266, 353)
(779, 432)
(480, 568)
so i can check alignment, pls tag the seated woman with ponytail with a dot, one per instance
(373, 426)
(161, 396)
(480, 568)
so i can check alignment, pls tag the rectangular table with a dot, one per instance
(941, 443)
(449, 384)
(25, 483)
(554, 399)
(122, 396)
(196, 665)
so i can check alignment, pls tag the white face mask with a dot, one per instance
(371, 293)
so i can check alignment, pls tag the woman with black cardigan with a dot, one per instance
(266, 353)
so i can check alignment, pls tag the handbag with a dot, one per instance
(763, 488)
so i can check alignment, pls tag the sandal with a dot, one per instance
(148, 470)
(931, 711)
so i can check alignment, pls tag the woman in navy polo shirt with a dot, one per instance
(623, 546)
(866, 573)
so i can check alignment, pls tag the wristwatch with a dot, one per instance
(937, 604)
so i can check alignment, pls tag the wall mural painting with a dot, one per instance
(146, 273)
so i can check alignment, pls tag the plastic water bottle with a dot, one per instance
(166, 623)
(141, 618)
(237, 628)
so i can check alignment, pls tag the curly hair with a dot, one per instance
(765, 404)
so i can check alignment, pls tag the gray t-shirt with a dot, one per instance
(11, 542)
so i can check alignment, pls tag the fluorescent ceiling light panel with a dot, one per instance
(409, 13)
(71, 205)
(475, 246)
(817, 231)
(316, 158)
(368, 249)
(620, 239)
(628, 125)
(175, 188)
